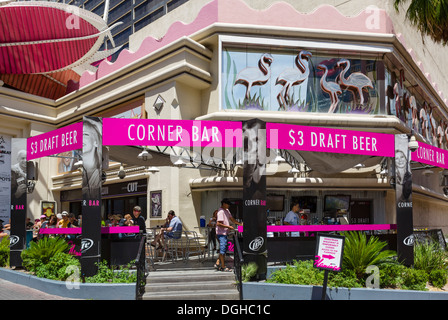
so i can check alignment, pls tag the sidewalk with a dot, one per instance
(13, 291)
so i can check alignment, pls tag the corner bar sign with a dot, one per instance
(428, 154)
(56, 141)
(319, 139)
(164, 132)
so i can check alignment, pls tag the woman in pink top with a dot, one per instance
(222, 229)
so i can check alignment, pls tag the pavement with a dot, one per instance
(13, 291)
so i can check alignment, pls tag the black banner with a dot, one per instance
(91, 195)
(18, 201)
(403, 191)
(254, 195)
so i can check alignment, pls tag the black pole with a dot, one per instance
(324, 285)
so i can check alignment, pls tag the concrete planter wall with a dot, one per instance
(275, 291)
(91, 291)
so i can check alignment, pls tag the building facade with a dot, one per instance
(334, 64)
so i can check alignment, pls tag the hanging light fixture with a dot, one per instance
(294, 170)
(144, 155)
(179, 163)
(153, 169)
(121, 172)
(279, 158)
(413, 144)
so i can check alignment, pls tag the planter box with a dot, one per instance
(276, 291)
(91, 291)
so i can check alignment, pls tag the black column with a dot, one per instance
(18, 201)
(403, 192)
(254, 195)
(91, 195)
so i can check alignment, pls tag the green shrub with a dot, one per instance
(301, 272)
(391, 275)
(56, 268)
(360, 253)
(438, 278)
(40, 252)
(122, 274)
(414, 279)
(248, 271)
(4, 252)
(429, 256)
(345, 279)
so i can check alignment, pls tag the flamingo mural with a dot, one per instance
(291, 77)
(255, 76)
(332, 88)
(355, 82)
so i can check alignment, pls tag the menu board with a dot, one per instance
(329, 252)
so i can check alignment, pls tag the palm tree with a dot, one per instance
(429, 16)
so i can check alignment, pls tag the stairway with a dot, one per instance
(191, 284)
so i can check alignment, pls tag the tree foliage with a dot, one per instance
(429, 16)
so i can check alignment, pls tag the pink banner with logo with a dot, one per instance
(164, 132)
(430, 155)
(56, 141)
(319, 139)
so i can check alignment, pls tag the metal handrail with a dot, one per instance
(141, 269)
(238, 261)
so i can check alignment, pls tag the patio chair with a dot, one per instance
(150, 251)
(193, 245)
(173, 247)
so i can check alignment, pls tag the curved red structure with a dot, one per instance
(43, 45)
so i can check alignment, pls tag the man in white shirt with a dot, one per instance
(292, 217)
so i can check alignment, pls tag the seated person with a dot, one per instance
(173, 231)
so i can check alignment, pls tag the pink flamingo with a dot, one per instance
(445, 133)
(440, 132)
(424, 120)
(292, 76)
(414, 112)
(356, 81)
(332, 88)
(253, 76)
(399, 93)
(433, 123)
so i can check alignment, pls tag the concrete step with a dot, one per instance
(187, 286)
(189, 276)
(191, 284)
(193, 295)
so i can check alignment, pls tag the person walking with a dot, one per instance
(223, 219)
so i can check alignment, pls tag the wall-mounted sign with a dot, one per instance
(164, 132)
(430, 155)
(319, 139)
(56, 141)
(329, 252)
